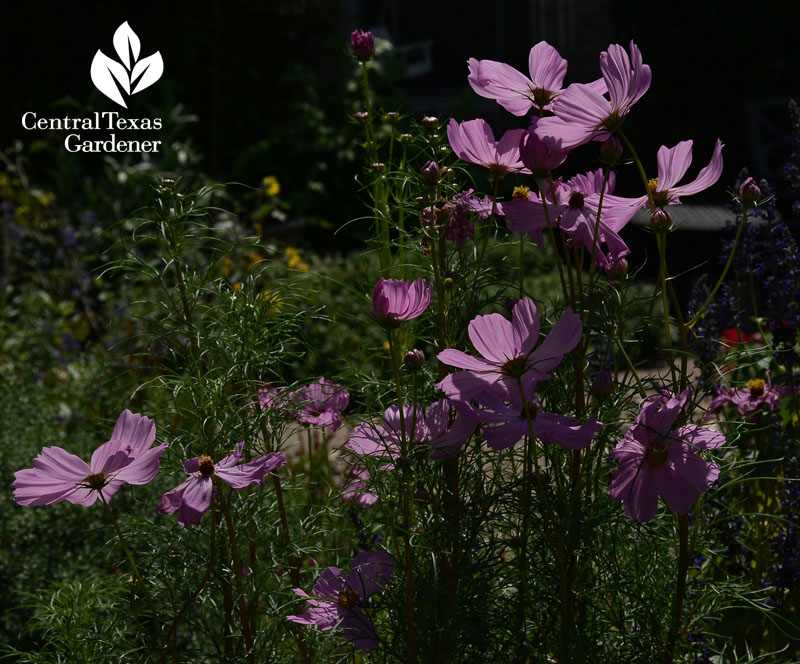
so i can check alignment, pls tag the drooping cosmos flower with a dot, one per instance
(127, 458)
(672, 166)
(514, 91)
(323, 403)
(192, 498)
(583, 114)
(339, 599)
(575, 212)
(509, 413)
(473, 141)
(656, 457)
(759, 393)
(507, 350)
(395, 300)
(539, 157)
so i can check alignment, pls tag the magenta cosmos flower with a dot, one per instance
(507, 350)
(759, 393)
(656, 457)
(192, 498)
(395, 300)
(127, 458)
(473, 141)
(323, 403)
(583, 114)
(339, 599)
(539, 157)
(363, 44)
(508, 412)
(575, 212)
(672, 166)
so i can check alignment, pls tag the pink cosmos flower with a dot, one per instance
(575, 212)
(583, 114)
(656, 457)
(340, 599)
(507, 350)
(323, 403)
(540, 157)
(193, 496)
(447, 437)
(672, 166)
(384, 439)
(509, 413)
(758, 393)
(127, 458)
(395, 300)
(473, 141)
(281, 400)
(514, 91)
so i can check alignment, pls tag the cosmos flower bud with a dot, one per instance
(611, 150)
(405, 138)
(361, 116)
(602, 385)
(510, 302)
(392, 116)
(414, 358)
(378, 166)
(660, 221)
(430, 123)
(363, 44)
(749, 193)
(431, 172)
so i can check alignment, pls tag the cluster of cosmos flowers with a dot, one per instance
(494, 390)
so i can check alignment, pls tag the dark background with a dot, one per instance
(267, 80)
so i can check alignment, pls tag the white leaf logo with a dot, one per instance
(113, 78)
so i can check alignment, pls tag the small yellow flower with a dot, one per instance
(386, 346)
(294, 260)
(271, 185)
(227, 265)
(304, 267)
(291, 251)
(237, 286)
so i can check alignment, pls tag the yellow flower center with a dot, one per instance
(206, 466)
(756, 387)
(515, 367)
(521, 193)
(348, 598)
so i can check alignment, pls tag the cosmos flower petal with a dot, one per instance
(195, 501)
(707, 177)
(143, 468)
(564, 336)
(673, 164)
(370, 571)
(525, 326)
(505, 435)
(253, 472)
(501, 82)
(171, 500)
(700, 438)
(457, 358)
(464, 385)
(359, 630)
(547, 67)
(640, 501)
(493, 337)
(683, 478)
(568, 432)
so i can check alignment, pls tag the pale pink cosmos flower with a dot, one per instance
(575, 212)
(192, 498)
(656, 457)
(395, 300)
(514, 91)
(583, 114)
(473, 141)
(540, 157)
(339, 599)
(507, 351)
(127, 458)
(672, 166)
(383, 439)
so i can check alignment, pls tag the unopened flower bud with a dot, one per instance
(510, 303)
(392, 116)
(611, 151)
(749, 193)
(405, 138)
(616, 269)
(603, 385)
(363, 44)
(660, 221)
(361, 116)
(431, 172)
(430, 123)
(421, 494)
(414, 358)
(378, 166)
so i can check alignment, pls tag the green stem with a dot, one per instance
(137, 576)
(680, 584)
